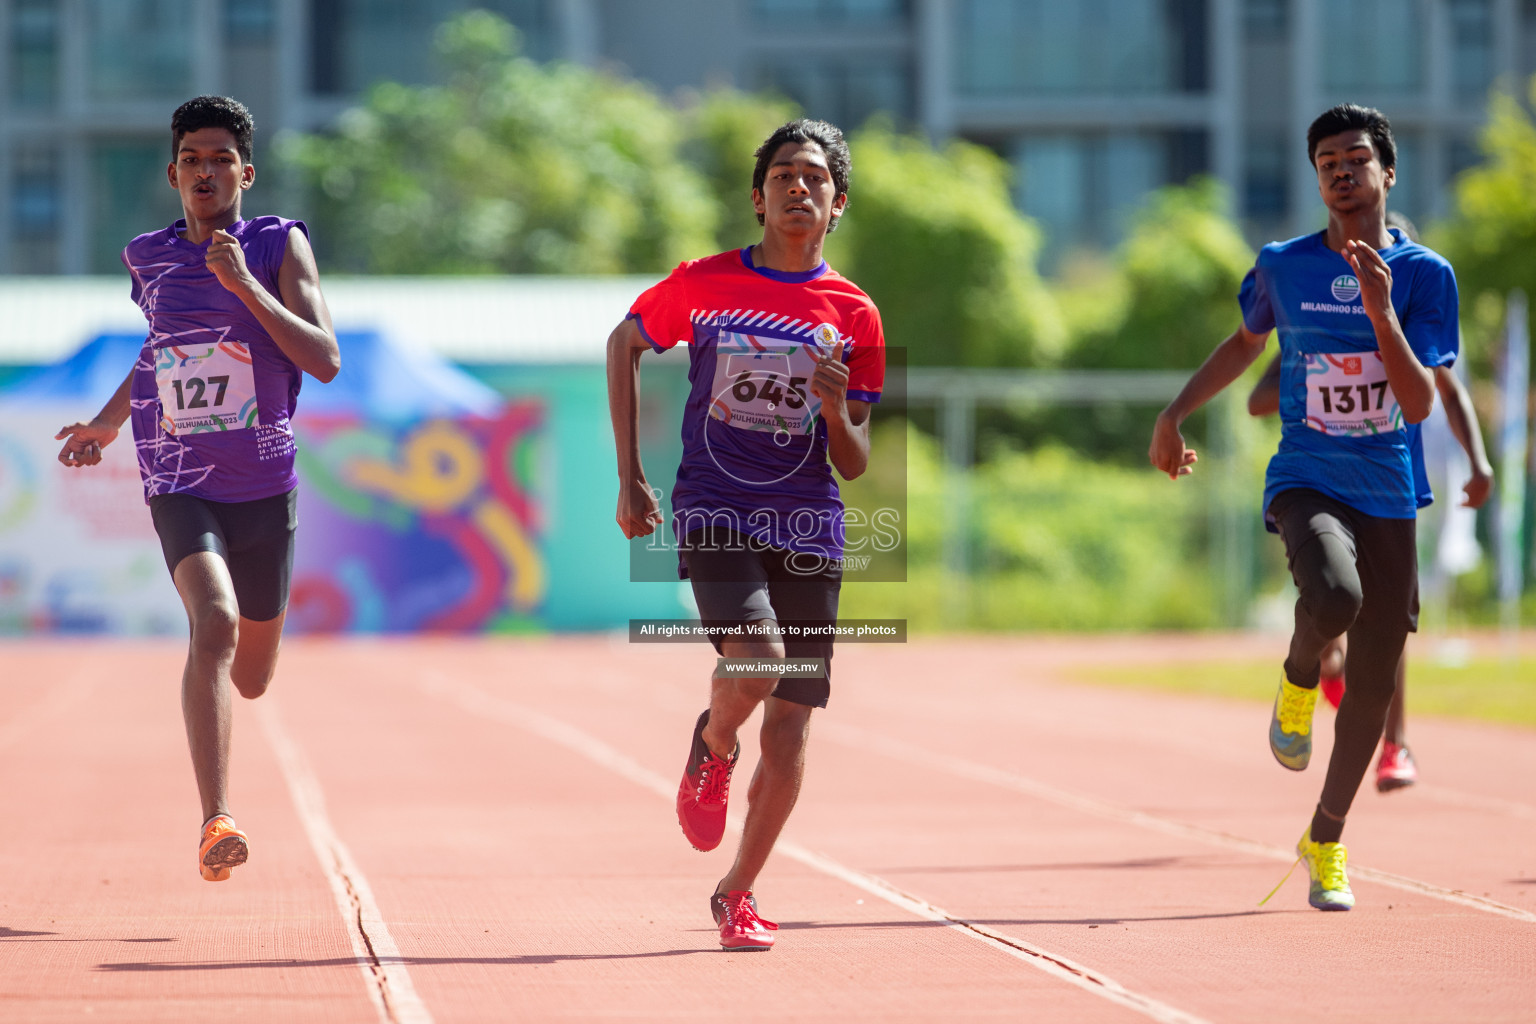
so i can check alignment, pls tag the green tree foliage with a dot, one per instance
(1491, 236)
(1172, 293)
(724, 130)
(509, 166)
(1056, 542)
(934, 238)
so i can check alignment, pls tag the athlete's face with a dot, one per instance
(798, 196)
(1350, 176)
(209, 173)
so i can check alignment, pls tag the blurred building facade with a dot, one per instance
(1095, 102)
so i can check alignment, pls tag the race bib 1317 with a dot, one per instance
(1348, 394)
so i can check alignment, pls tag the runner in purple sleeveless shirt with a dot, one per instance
(236, 319)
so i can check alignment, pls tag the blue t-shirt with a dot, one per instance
(1342, 432)
(1421, 488)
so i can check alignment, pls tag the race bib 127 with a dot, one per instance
(206, 388)
(1348, 395)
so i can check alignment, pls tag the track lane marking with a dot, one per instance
(861, 739)
(384, 973)
(479, 703)
(1476, 801)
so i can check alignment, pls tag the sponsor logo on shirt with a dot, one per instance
(1345, 290)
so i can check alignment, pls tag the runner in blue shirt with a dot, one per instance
(1396, 767)
(1364, 315)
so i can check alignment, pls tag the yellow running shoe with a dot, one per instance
(223, 847)
(1325, 866)
(1290, 725)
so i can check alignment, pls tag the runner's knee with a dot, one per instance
(251, 683)
(1328, 583)
(785, 732)
(215, 626)
(1333, 605)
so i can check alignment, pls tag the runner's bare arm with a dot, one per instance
(1463, 420)
(847, 419)
(1264, 399)
(83, 442)
(1221, 367)
(638, 512)
(297, 319)
(1411, 380)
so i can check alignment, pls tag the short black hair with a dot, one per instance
(1351, 116)
(213, 112)
(828, 136)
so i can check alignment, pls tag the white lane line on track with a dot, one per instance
(1488, 804)
(861, 739)
(497, 709)
(56, 700)
(384, 973)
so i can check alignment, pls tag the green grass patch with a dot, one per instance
(1483, 689)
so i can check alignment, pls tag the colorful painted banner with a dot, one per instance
(431, 525)
(428, 526)
(77, 551)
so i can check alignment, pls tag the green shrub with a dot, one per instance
(1055, 542)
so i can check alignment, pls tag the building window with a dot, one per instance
(358, 43)
(35, 210)
(1373, 47)
(1085, 189)
(249, 21)
(128, 197)
(1266, 162)
(1463, 153)
(1093, 47)
(1471, 48)
(139, 49)
(834, 12)
(1411, 195)
(34, 52)
(845, 93)
(1266, 20)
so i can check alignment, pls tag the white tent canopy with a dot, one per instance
(465, 319)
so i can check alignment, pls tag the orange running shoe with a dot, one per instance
(223, 847)
(740, 927)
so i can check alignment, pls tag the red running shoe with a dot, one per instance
(1332, 688)
(735, 913)
(1395, 769)
(704, 791)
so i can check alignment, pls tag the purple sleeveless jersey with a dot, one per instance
(212, 394)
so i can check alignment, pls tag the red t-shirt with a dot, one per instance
(754, 444)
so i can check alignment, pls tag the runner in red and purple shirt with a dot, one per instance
(235, 319)
(786, 357)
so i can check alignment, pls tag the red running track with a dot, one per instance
(481, 830)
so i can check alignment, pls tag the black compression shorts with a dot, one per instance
(736, 582)
(255, 539)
